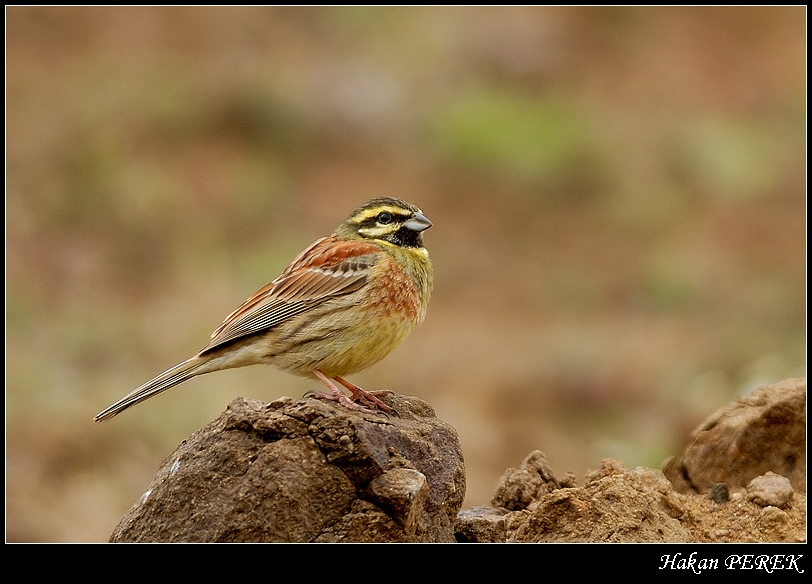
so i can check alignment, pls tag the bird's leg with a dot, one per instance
(337, 395)
(370, 398)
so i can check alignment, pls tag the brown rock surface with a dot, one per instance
(744, 449)
(306, 470)
(760, 432)
(771, 489)
(619, 505)
(615, 505)
(521, 486)
(309, 470)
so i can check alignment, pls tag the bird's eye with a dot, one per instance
(384, 218)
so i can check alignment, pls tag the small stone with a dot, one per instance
(770, 489)
(721, 534)
(773, 517)
(402, 493)
(720, 493)
(481, 524)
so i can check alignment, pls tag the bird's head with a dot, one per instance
(388, 220)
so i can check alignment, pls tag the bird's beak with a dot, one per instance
(418, 223)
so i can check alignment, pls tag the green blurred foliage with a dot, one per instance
(533, 139)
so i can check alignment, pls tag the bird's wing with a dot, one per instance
(328, 268)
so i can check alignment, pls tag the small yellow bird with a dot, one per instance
(340, 306)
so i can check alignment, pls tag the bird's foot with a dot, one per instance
(369, 398)
(362, 401)
(337, 395)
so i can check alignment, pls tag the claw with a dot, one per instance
(362, 401)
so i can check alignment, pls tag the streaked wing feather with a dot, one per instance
(326, 269)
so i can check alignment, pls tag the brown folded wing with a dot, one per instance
(328, 268)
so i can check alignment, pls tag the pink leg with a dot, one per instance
(370, 398)
(359, 394)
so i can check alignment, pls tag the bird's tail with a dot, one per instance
(169, 378)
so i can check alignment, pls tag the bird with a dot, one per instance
(343, 304)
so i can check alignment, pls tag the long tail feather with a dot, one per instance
(169, 378)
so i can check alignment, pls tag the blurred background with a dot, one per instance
(618, 194)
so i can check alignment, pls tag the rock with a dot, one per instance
(720, 493)
(761, 432)
(770, 489)
(309, 470)
(764, 430)
(519, 487)
(482, 525)
(306, 470)
(615, 505)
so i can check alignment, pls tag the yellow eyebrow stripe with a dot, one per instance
(375, 211)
